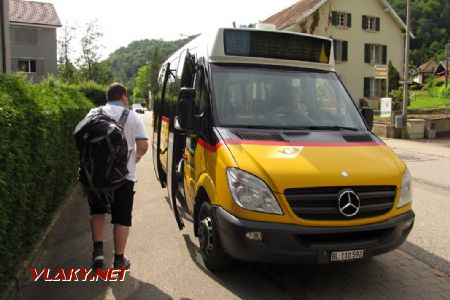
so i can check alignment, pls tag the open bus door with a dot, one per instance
(177, 141)
(160, 173)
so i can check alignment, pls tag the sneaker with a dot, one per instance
(125, 263)
(98, 259)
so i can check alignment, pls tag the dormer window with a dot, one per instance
(341, 19)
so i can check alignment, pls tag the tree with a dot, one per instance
(142, 83)
(90, 46)
(430, 25)
(394, 77)
(102, 73)
(155, 65)
(66, 70)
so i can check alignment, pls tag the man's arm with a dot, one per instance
(141, 148)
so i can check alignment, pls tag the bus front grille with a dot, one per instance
(322, 203)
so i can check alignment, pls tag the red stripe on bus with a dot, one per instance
(208, 146)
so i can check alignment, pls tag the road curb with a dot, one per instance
(13, 289)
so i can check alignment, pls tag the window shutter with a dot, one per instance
(344, 50)
(367, 53)
(366, 87)
(365, 22)
(335, 49)
(377, 24)
(349, 20)
(334, 18)
(384, 55)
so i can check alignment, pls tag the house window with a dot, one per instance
(27, 66)
(373, 88)
(24, 35)
(371, 23)
(375, 54)
(341, 19)
(340, 50)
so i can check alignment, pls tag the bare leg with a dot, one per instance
(120, 238)
(97, 227)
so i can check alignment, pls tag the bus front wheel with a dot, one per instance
(211, 249)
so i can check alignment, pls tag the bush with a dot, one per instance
(37, 158)
(444, 92)
(93, 91)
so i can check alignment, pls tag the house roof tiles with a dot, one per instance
(293, 13)
(301, 10)
(425, 66)
(33, 12)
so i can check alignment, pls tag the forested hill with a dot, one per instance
(126, 61)
(430, 23)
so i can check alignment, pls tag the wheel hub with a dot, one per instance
(206, 236)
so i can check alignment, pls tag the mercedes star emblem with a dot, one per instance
(348, 203)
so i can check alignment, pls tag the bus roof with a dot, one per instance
(262, 47)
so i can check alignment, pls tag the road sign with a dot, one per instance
(381, 71)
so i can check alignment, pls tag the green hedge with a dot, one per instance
(93, 91)
(37, 160)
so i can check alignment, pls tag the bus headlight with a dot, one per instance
(251, 193)
(406, 190)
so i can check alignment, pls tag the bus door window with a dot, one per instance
(191, 166)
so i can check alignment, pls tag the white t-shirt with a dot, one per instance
(134, 130)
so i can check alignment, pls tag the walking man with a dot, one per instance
(122, 204)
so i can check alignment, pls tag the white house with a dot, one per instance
(365, 33)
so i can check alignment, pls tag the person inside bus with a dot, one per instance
(287, 101)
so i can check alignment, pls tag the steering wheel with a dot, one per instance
(281, 113)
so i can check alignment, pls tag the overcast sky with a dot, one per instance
(128, 20)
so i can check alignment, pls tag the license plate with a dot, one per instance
(347, 255)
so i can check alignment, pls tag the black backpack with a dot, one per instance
(103, 154)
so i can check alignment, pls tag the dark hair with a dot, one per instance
(115, 92)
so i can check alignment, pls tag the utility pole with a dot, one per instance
(406, 69)
(447, 54)
(5, 63)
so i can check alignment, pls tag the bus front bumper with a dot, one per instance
(289, 243)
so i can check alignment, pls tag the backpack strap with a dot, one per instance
(122, 120)
(124, 116)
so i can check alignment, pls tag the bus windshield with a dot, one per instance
(271, 97)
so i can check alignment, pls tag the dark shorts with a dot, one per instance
(121, 207)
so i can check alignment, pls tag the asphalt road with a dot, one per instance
(166, 263)
(429, 164)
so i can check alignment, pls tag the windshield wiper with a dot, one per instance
(335, 127)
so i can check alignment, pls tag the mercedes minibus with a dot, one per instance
(256, 138)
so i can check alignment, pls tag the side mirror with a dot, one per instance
(184, 118)
(367, 113)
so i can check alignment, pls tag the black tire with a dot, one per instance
(211, 249)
